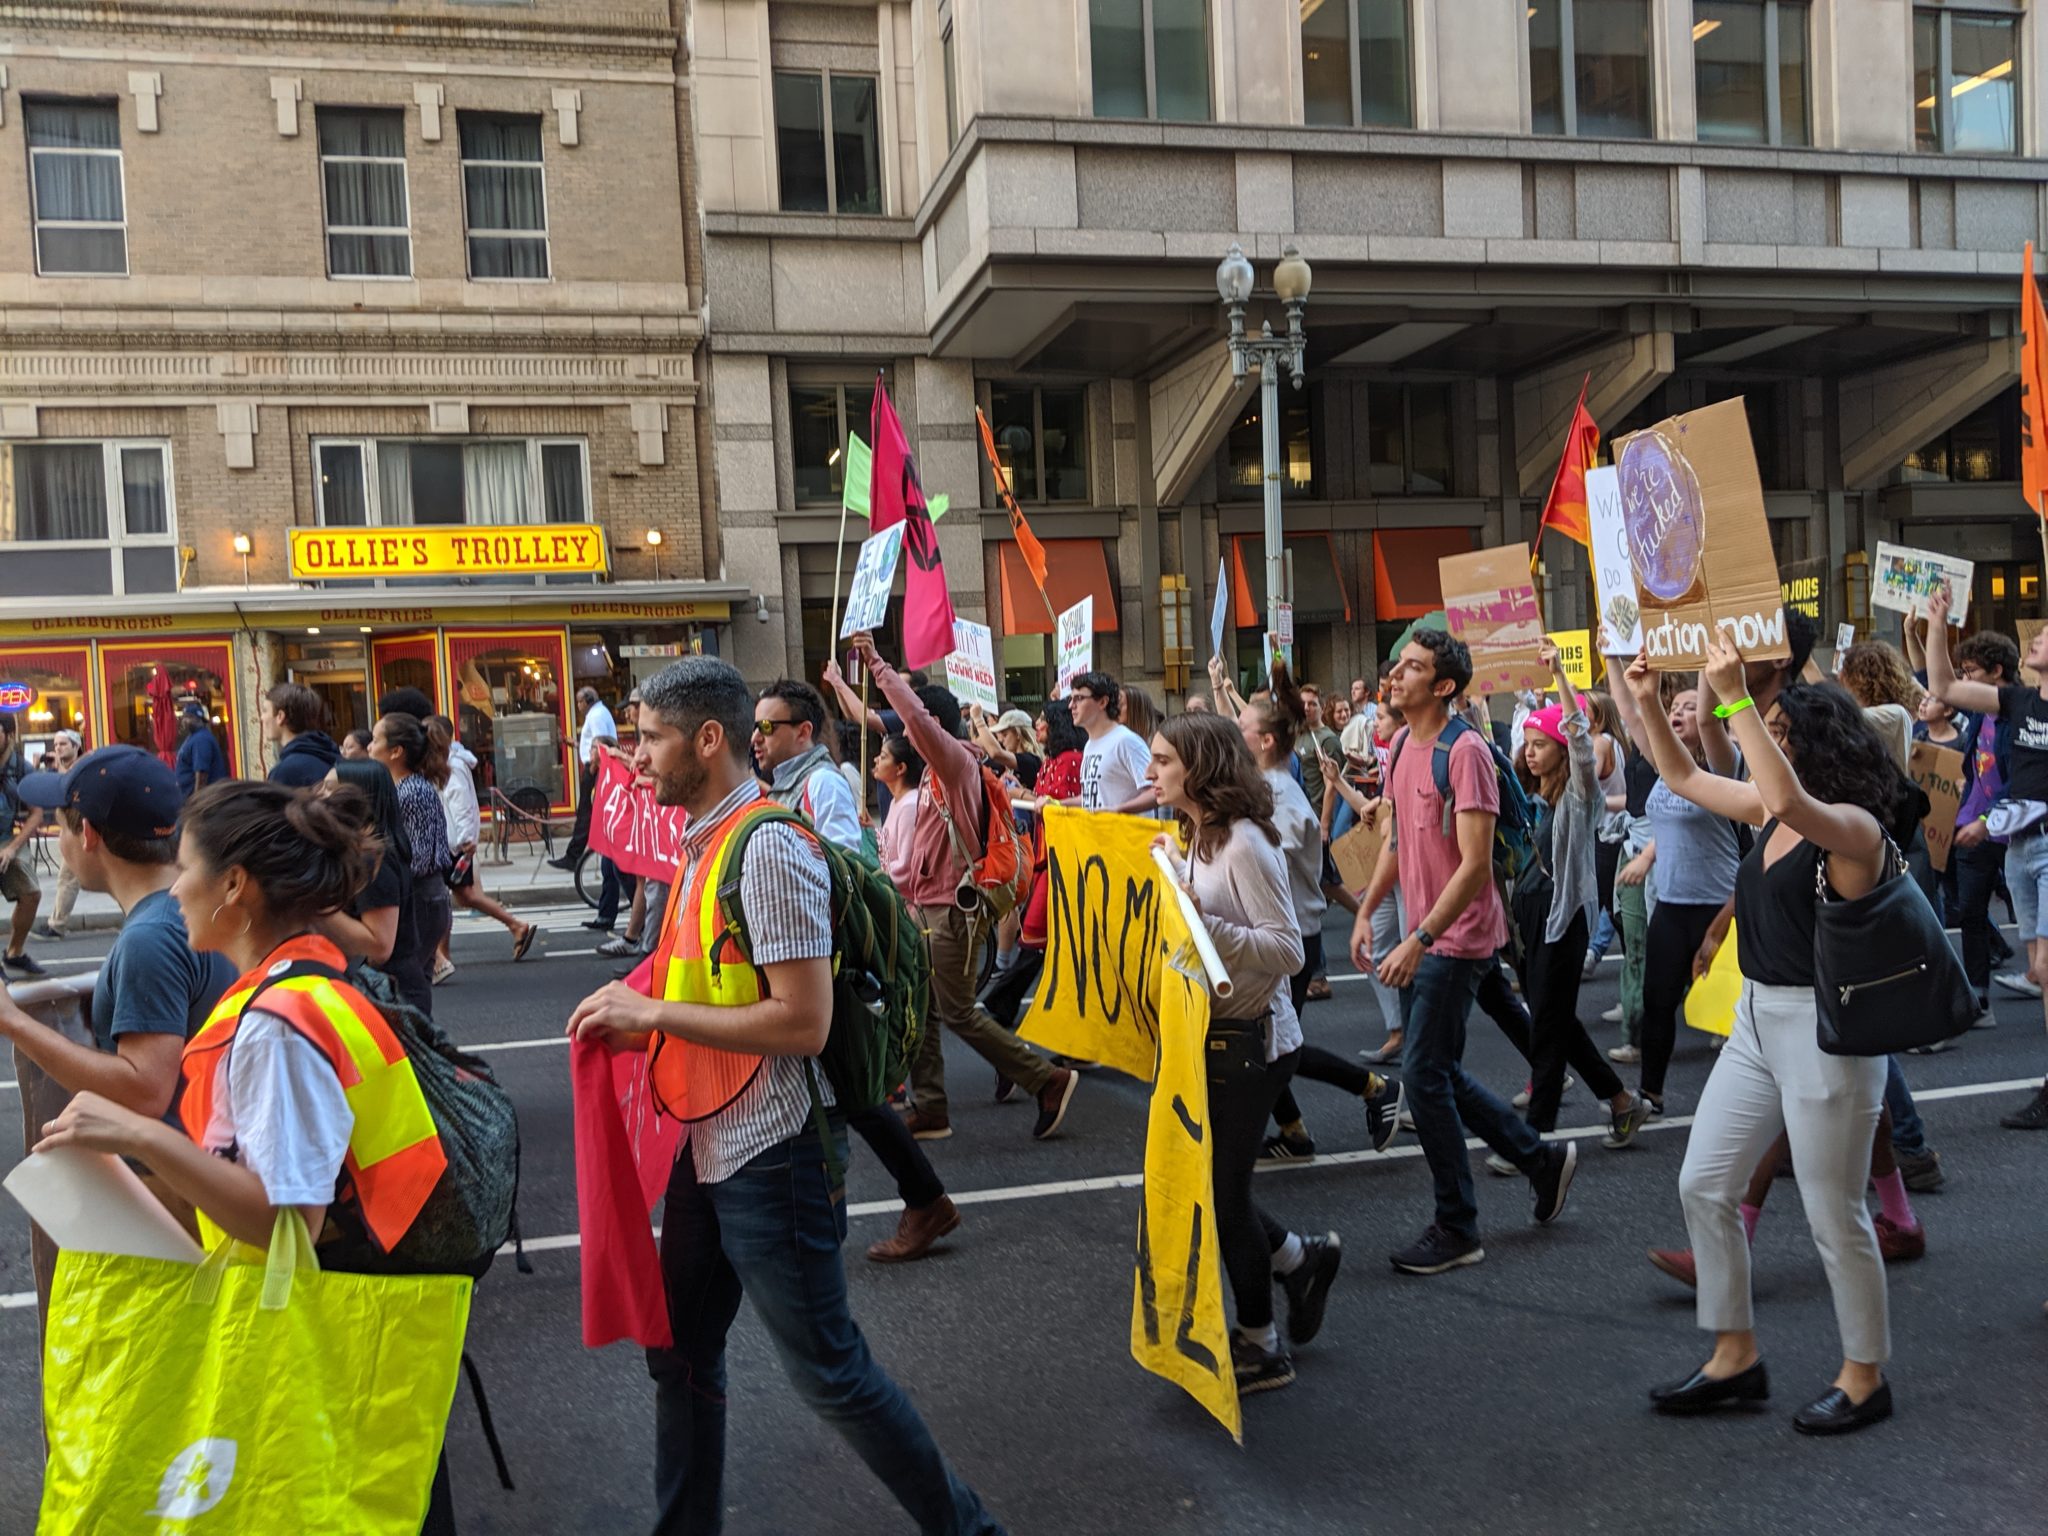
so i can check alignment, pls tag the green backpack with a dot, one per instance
(881, 973)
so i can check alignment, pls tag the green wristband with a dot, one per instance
(1725, 711)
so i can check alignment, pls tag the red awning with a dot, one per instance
(1074, 569)
(1319, 593)
(1404, 577)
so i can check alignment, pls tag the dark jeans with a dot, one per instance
(1007, 989)
(773, 1231)
(579, 838)
(1316, 1065)
(897, 1150)
(1677, 929)
(1908, 1135)
(1247, 1236)
(617, 887)
(1972, 875)
(1550, 981)
(1498, 1002)
(1441, 1093)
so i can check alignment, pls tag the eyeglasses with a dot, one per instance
(766, 728)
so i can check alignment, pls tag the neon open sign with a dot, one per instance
(14, 696)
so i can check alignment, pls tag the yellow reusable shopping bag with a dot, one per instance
(243, 1397)
(1710, 1004)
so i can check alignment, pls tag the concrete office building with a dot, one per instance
(1817, 206)
(422, 279)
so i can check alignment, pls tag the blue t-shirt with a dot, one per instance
(1697, 851)
(152, 983)
(201, 753)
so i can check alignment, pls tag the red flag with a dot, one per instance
(2033, 391)
(623, 1152)
(1027, 541)
(1565, 509)
(896, 496)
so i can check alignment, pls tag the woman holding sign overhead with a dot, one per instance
(1233, 870)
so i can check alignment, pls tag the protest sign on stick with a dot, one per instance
(1614, 578)
(1939, 771)
(971, 665)
(874, 574)
(1903, 579)
(1076, 637)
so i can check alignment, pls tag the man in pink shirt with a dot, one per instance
(953, 775)
(1442, 858)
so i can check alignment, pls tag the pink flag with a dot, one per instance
(628, 827)
(895, 496)
(622, 1155)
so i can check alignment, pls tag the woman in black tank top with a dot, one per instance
(1822, 787)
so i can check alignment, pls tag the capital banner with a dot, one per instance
(628, 827)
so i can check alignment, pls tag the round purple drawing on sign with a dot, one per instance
(1660, 507)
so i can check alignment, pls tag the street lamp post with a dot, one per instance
(1291, 279)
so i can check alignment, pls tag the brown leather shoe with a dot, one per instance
(916, 1233)
(1898, 1243)
(1678, 1264)
(926, 1127)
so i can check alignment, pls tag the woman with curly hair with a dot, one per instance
(1875, 674)
(1822, 793)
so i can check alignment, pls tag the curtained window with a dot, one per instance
(86, 518)
(481, 483)
(74, 157)
(504, 196)
(362, 175)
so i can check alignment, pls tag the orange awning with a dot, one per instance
(1074, 569)
(1319, 595)
(1404, 578)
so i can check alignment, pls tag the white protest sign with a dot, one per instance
(1271, 646)
(1621, 623)
(1845, 636)
(1076, 643)
(1904, 579)
(1283, 623)
(971, 667)
(873, 576)
(1216, 614)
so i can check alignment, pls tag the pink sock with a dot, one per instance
(1891, 1194)
(1751, 1215)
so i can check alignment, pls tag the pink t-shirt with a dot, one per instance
(1428, 859)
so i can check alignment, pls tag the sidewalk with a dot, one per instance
(525, 881)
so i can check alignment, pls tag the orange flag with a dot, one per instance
(2033, 390)
(1565, 509)
(1027, 541)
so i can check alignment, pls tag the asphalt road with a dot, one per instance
(1505, 1397)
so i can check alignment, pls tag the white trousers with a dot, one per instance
(1772, 1076)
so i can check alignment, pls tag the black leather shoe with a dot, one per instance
(1833, 1414)
(1701, 1393)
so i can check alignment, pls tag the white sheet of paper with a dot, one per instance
(1902, 579)
(1621, 625)
(1217, 613)
(92, 1202)
(1076, 635)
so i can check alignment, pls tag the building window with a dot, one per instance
(402, 483)
(362, 177)
(1408, 435)
(1244, 451)
(1366, 85)
(87, 518)
(1042, 438)
(1750, 70)
(822, 411)
(1150, 58)
(1589, 68)
(1983, 446)
(74, 169)
(828, 144)
(950, 65)
(1966, 82)
(504, 196)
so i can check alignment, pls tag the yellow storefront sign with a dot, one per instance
(224, 615)
(542, 549)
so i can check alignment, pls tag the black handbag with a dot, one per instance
(1884, 975)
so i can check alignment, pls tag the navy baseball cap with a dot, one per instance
(123, 790)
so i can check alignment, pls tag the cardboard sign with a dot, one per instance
(1939, 771)
(1575, 649)
(1076, 643)
(971, 666)
(1490, 603)
(1614, 578)
(2024, 630)
(1217, 613)
(874, 574)
(1357, 853)
(1698, 539)
(1903, 579)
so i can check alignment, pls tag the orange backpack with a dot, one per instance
(999, 880)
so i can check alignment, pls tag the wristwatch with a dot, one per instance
(1424, 937)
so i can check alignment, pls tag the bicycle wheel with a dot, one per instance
(589, 878)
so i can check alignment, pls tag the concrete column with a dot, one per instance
(1477, 66)
(1192, 407)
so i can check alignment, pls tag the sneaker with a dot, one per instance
(595, 926)
(1656, 1104)
(1921, 1171)
(1053, 1100)
(1076, 1063)
(43, 930)
(1985, 1019)
(2018, 983)
(1897, 1243)
(443, 969)
(1678, 1264)
(1593, 959)
(916, 1231)
(618, 947)
(1612, 1015)
(1553, 1182)
(1496, 1164)
(1622, 1128)
(1308, 1288)
(924, 1127)
(1436, 1251)
(23, 964)
(2032, 1117)
(1521, 1100)
(1933, 1049)
(1319, 990)
(1625, 1055)
(1385, 1112)
(1007, 1090)
(1257, 1368)
(1406, 1118)
(1284, 1148)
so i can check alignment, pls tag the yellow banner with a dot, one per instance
(539, 549)
(1575, 647)
(1710, 1003)
(1098, 996)
(1178, 1328)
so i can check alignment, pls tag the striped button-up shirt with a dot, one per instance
(786, 892)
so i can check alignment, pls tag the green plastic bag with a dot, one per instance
(244, 1397)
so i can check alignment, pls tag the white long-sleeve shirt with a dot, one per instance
(458, 797)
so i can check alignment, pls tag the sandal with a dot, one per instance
(524, 942)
